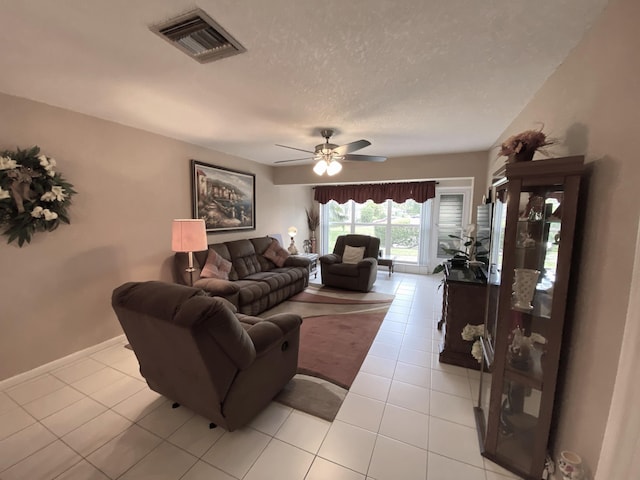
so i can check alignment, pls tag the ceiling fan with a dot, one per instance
(329, 155)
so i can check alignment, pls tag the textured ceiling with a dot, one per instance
(411, 76)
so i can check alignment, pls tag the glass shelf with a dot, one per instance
(529, 373)
(541, 306)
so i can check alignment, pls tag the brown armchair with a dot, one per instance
(197, 351)
(353, 276)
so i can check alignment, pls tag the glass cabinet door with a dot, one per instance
(529, 328)
(494, 276)
(493, 295)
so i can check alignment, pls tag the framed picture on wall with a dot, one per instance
(225, 199)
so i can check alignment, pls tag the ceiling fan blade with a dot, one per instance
(294, 148)
(364, 158)
(293, 160)
(351, 147)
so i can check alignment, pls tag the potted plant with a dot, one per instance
(522, 147)
(473, 250)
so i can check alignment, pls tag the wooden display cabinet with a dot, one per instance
(463, 302)
(528, 280)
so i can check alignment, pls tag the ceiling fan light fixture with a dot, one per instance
(334, 167)
(320, 167)
(327, 153)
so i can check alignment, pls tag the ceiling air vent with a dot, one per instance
(199, 36)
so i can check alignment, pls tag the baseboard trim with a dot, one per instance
(28, 375)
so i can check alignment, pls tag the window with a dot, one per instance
(449, 221)
(397, 225)
(451, 211)
(410, 231)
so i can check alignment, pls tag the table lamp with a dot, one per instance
(188, 236)
(293, 231)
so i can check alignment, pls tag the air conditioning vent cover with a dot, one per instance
(199, 36)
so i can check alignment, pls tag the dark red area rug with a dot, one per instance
(333, 347)
(337, 331)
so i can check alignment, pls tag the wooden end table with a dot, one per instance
(387, 262)
(313, 267)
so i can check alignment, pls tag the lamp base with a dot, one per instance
(293, 250)
(190, 271)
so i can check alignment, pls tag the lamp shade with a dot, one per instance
(292, 231)
(188, 235)
(320, 167)
(334, 167)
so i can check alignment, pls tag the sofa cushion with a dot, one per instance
(251, 291)
(352, 254)
(217, 286)
(216, 266)
(276, 253)
(274, 280)
(344, 269)
(244, 258)
(295, 273)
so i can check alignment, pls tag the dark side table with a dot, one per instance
(387, 262)
(313, 258)
(463, 302)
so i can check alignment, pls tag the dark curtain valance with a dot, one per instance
(378, 192)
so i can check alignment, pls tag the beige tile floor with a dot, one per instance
(406, 417)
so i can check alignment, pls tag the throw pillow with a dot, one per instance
(216, 266)
(352, 254)
(276, 253)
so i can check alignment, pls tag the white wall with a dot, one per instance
(55, 292)
(592, 104)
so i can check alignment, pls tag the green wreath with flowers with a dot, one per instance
(34, 197)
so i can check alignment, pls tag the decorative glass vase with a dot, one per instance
(524, 287)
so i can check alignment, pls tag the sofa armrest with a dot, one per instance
(297, 261)
(217, 287)
(330, 258)
(269, 332)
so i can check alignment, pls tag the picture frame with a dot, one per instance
(224, 198)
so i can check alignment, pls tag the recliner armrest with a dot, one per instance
(228, 304)
(330, 258)
(287, 322)
(367, 262)
(267, 333)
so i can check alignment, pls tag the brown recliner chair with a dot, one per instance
(195, 350)
(353, 276)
